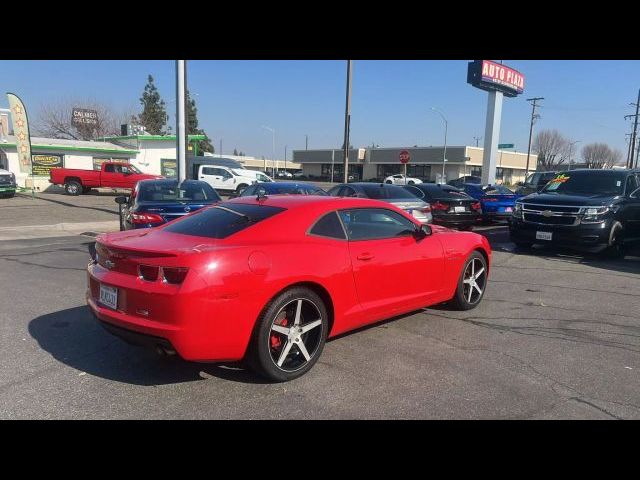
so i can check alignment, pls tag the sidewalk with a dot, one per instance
(65, 229)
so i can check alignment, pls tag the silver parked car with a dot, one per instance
(385, 192)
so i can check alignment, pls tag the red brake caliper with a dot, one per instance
(276, 342)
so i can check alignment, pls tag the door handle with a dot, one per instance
(365, 256)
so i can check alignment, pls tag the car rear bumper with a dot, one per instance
(452, 220)
(186, 320)
(594, 236)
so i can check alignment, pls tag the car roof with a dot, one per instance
(168, 181)
(287, 184)
(292, 202)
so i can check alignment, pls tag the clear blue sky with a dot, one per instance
(585, 100)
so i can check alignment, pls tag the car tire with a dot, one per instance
(472, 283)
(616, 247)
(388, 181)
(267, 347)
(73, 188)
(241, 188)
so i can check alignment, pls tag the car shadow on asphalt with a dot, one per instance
(630, 263)
(67, 204)
(75, 338)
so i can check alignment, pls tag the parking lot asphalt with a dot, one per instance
(556, 336)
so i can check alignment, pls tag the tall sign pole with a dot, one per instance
(533, 119)
(181, 123)
(347, 123)
(500, 81)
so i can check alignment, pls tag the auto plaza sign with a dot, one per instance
(488, 75)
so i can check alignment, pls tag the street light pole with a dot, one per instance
(347, 123)
(273, 148)
(444, 153)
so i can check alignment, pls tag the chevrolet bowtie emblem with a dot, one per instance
(547, 213)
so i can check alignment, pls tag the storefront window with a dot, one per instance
(355, 171)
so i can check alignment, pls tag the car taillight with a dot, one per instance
(174, 275)
(148, 272)
(440, 206)
(146, 218)
(476, 206)
(490, 199)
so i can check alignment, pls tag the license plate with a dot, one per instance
(109, 296)
(543, 235)
(459, 209)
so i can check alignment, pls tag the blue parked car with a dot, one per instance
(497, 202)
(157, 201)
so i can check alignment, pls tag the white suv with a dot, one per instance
(230, 179)
(400, 180)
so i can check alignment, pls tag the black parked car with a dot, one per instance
(535, 182)
(449, 206)
(282, 188)
(591, 209)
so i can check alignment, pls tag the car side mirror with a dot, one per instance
(635, 193)
(121, 200)
(422, 231)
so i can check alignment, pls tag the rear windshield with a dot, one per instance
(444, 191)
(378, 192)
(280, 189)
(221, 222)
(586, 183)
(496, 190)
(172, 192)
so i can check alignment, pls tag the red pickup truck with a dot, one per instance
(110, 175)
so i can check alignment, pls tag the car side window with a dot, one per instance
(334, 192)
(631, 184)
(207, 171)
(417, 191)
(328, 226)
(348, 192)
(249, 191)
(109, 168)
(375, 223)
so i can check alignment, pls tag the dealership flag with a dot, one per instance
(21, 132)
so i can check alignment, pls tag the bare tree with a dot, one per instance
(552, 149)
(53, 120)
(600, 155)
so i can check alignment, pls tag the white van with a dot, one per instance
(230, 179)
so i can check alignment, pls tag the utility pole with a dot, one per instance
(635, 128)
(629, 147)
(347, 123)
(477, 139)
(533, 118)
(285, 161)
(306, 142)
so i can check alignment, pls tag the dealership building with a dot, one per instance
(153, 154)
(424, 163)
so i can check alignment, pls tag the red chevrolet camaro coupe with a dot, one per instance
(269, 279)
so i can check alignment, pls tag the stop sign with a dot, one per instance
(404, 156)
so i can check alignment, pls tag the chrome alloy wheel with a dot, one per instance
(295, 335)
(474, 281)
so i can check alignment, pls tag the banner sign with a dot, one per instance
(168, 168)
(492, 76)
(43, 163)
(81, 117)
(21, 132)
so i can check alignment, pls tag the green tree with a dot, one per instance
(154, 115)
(192, 126)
